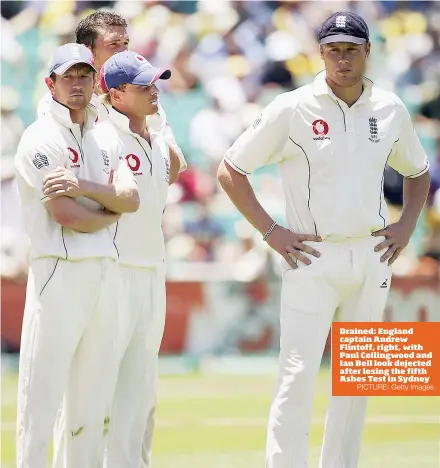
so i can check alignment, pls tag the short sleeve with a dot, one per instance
(124, 174)
(35, 158)
(408, 157)
(263, 142)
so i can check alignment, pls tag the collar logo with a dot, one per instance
(374, 132)
(140, 58)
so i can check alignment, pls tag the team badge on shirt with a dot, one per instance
(374, 132)
(106, 161)
(40, 160)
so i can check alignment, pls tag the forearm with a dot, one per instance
(115, 197)
(415, 192)
(88, 221)
(174, 165)
(71, 214)
(239, 190)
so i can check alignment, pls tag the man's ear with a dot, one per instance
(50, 84)
(368, 48)
(116, 95)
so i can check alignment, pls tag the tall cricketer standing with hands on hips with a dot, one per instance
(331, 140)
(70, 322)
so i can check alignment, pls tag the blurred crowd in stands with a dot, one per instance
(229, 59)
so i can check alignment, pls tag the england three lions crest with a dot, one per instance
(374, 131)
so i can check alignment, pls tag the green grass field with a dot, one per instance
(218, 421)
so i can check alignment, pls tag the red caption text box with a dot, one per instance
(386, 359)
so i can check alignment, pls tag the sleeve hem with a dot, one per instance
(235, 167)
(183, 163)
(418, 174)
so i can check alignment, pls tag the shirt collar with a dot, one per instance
(320, 87)
(120, 120)
(62, 114)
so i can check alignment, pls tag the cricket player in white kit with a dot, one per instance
(331, 140)
(129, 79)
(70, 324)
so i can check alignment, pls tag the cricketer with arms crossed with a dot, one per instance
(70, 322)
(331, 140)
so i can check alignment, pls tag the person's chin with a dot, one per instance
(346, 79)
(77, 102)
(153, 109)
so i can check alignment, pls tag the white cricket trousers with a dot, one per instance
(347, 276)
(68, 343)
(132, 417)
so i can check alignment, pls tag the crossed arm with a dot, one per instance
(61, 186)
(120, 197)
(69, 213)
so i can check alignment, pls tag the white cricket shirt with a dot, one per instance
(137, 236)
(51, 141)
(332, 157)
(158, 122)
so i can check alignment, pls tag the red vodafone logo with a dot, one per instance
(140, 58)
(133, 161)
(320, 127)
(73, 155)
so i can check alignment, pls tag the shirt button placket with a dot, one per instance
(349, 121)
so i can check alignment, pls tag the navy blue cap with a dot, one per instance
(68, 55)
(344, 26)
(130, 67)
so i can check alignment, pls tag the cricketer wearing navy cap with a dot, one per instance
(345, 47)
(343, 27)
(332, 140)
